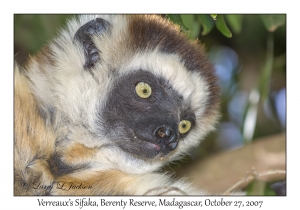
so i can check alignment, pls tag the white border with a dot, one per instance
(8, 8)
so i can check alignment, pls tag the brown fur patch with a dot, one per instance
(78, 154)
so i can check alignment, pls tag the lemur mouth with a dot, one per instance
(153, 150)
(160, 148)
(154, 146)
(147, 150)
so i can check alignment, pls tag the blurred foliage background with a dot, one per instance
(249, 53)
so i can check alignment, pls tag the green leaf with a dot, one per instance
(192, 25)
(269, 191)
(222, 27)
(256, 187)
(272, 22)
(175, 19)
(235, 22)
(195, 31)
(214, 17)
(266, 73)
(206, 22)
(187, 20)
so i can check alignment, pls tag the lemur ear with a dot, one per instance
(84, 36)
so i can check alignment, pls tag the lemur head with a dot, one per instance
(132, 82)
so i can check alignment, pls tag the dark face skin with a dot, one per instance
(145, 127)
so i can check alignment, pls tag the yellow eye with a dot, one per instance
(143, 90)
(184, 126)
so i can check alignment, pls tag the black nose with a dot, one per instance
(167, 137)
